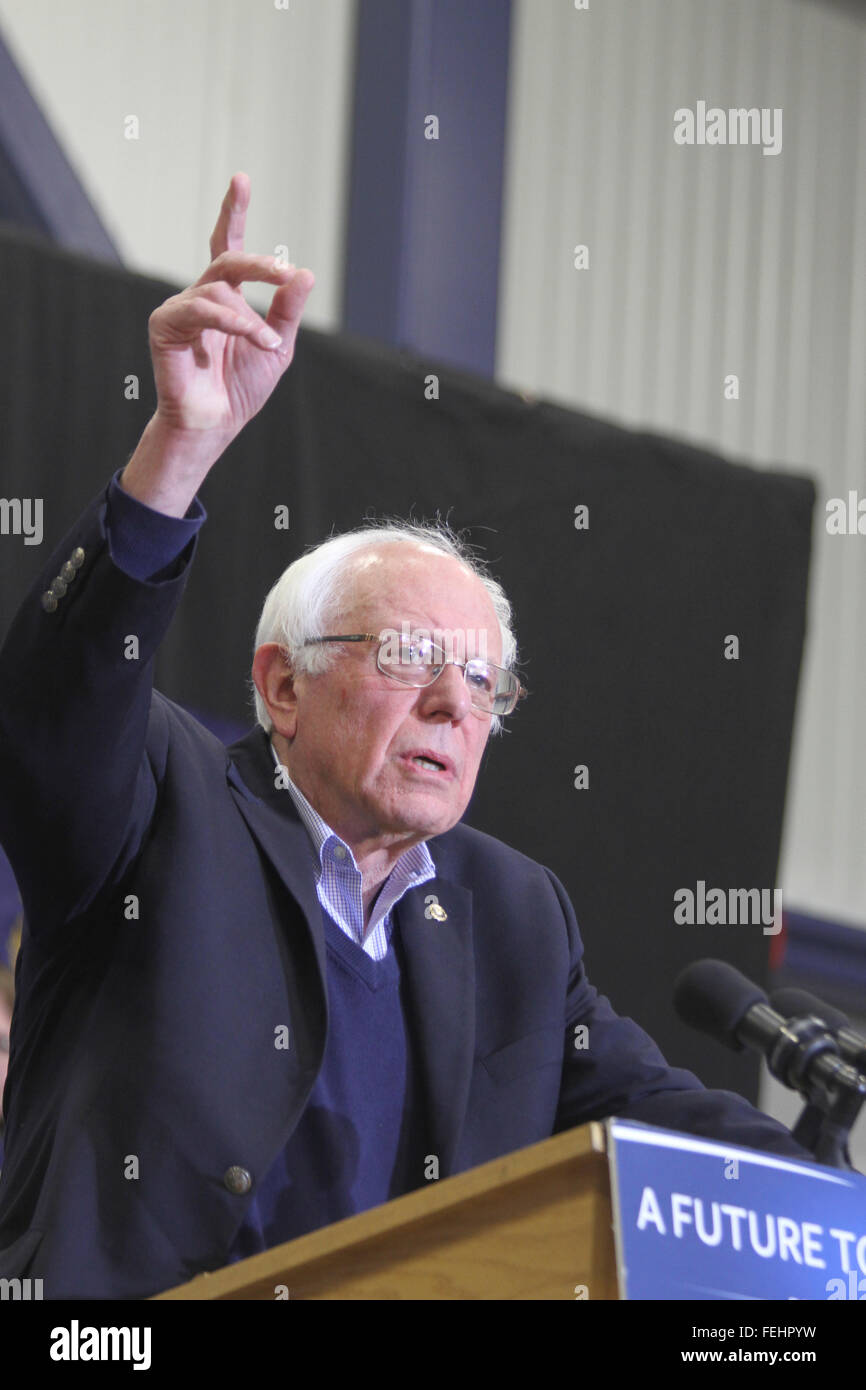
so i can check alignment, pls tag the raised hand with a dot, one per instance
(215, 361)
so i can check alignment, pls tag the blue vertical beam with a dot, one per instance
(377, 174)
(39, 189)
(424, 219)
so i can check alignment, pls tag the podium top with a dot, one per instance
(532, 1224)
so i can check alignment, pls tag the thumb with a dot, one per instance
(287, 305)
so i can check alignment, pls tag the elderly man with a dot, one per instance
(266, 987)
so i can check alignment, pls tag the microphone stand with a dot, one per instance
(805, 1057)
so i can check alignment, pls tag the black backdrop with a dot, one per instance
(621, 626)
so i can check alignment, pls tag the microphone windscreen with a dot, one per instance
(799, 1003)
(712, 996)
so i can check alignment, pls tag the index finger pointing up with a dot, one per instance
(228, 234)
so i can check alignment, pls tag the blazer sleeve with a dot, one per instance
(615, 1068)
(81, 754)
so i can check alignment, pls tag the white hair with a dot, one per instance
(308, 595)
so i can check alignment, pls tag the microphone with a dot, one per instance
(717, 999)
(795, 1003)
(714, 998)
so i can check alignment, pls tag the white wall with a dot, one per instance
(703, 261)
(217, 85)
(706, 261)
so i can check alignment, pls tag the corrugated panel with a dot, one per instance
(217, 85)
(706, 261)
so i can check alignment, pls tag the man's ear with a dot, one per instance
(274, 679)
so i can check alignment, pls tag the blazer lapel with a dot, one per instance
(270, 813)
(440, 963)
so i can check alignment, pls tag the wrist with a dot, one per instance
(169, 465)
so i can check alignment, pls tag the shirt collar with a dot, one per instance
(413, 864)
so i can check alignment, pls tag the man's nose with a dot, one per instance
(447, 696)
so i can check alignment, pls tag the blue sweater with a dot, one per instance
(360, 1140)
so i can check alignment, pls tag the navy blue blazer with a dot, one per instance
(172, 924)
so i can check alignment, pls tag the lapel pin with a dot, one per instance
(434, 911)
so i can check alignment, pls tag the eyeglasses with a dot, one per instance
(419, 661)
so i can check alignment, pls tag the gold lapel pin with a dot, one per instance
(434, 911)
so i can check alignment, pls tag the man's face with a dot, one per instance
(355, 735)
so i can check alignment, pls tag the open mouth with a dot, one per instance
(428, 762)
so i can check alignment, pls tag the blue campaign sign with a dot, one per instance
(698, 1219)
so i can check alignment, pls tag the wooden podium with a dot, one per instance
(535, 1224)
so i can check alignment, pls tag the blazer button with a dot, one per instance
(237, 1180)
(68, 571)
(77, 557)
(49, 601)
(58, 586)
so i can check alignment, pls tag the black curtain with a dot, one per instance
(621, 625)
